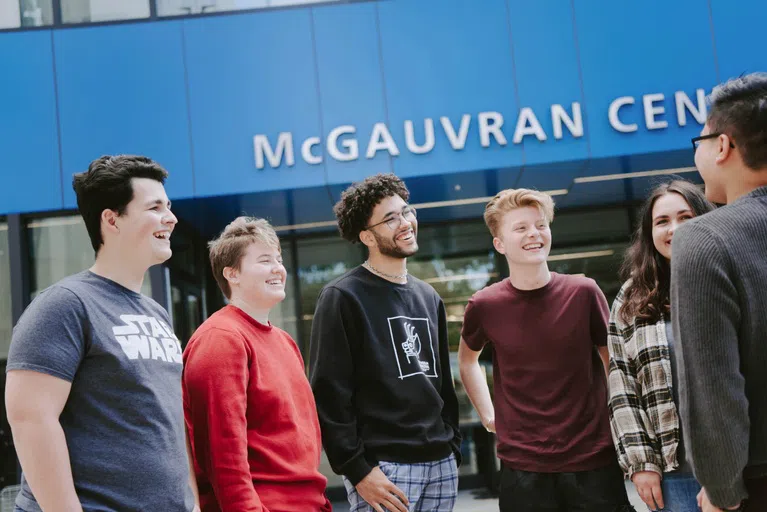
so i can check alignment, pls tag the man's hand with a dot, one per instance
(489, 425)
(706, 505)
(647, 484)
(379, 492)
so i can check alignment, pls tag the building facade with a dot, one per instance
(271, 108)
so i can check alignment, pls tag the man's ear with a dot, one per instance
(109, 221)
(498, 244)
(232, 275)
(725, 148)
(367, 238)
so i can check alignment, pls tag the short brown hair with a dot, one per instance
(229, 248)
(511, 199)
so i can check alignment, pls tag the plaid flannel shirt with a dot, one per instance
(643, 417)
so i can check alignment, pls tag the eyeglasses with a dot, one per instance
(696, 140)
(395, 221)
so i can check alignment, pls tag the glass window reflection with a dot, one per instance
(89, 11)
(6, 319)
(25, 13)
(60, 247)
(184, 7)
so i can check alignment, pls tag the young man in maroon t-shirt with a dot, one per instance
(549, 335)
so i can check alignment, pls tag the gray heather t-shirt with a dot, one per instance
(123, 420)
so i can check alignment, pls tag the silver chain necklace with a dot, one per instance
(370, 267)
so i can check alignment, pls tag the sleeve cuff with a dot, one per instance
(644, 466)
(726, 497)
(357, 469)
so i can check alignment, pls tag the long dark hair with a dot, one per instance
(647, 296)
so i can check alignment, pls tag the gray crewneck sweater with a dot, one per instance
(719, 304)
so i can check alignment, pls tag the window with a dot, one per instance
(181, 7)
(25, 13)
(85, 11)
(60, 247)
(283, 315)
(320, 260)
(6, 320)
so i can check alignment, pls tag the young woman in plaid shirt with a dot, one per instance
(643, 394)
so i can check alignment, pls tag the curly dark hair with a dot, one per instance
(357, 202)
(646, 299)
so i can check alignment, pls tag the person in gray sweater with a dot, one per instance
(718, 296)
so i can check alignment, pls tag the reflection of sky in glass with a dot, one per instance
(314, 274)
(478, 274)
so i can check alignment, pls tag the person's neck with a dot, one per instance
(744, 182)
(119, 270)
(256, 312)
(389, 266)
(525, 277)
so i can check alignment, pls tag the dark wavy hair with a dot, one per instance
(647, 296)
(357, 202)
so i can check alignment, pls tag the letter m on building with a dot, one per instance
(284, 149)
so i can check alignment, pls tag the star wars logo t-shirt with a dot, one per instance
(123, 420)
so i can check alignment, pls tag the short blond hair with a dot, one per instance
(229, 248)
(511, 199)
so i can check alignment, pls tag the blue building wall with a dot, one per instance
(192, 94)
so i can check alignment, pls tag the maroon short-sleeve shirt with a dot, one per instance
(550, 390)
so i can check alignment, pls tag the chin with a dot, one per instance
(409, 250)
(162, 257)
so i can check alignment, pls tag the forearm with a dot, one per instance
(475, 382)
(42, 450)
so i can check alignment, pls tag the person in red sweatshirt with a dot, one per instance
(249, 409)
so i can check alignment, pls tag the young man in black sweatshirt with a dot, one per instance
(380, 367)
(718, 298)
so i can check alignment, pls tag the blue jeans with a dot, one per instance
(680, 492)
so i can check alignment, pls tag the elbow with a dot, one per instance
(466, 365)
(23, 421)
(463, 362)
(22, 414)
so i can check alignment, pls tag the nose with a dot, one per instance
(170, 218)
(672, 227)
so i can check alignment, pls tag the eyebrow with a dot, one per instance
(686, 210)
(393, 212)
(523, 222)
(158, 202)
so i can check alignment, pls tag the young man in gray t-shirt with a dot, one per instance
(94, 372)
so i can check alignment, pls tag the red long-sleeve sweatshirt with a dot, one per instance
(251, 418)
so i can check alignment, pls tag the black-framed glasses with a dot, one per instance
(395, 220)
(696, 140)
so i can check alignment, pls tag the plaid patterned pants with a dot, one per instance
(429, 486)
